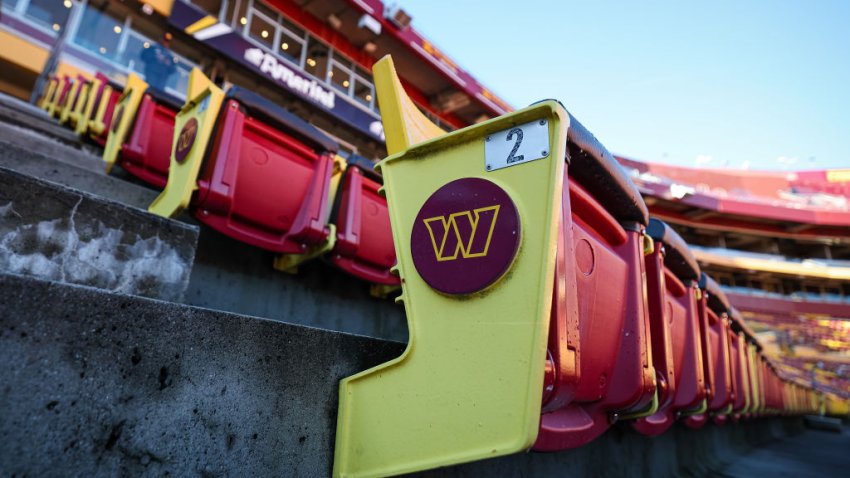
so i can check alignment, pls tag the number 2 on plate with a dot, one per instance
(511, 157)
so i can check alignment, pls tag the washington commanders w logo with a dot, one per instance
(464, 234)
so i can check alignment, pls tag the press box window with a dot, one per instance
(262, 29)
(340, 77)
(316, 62)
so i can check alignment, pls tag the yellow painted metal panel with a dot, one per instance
(97, 125)
(404, 124)
(82, 120)
(70, 101)
(205, 22)
(122, 118)
(469, 384)
(193, 127)
(23, 53)
(76, 116)
(50, 94)
(838, 175)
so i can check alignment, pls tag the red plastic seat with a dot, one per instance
(147, 152)
(714, 323)
(364, 241)
(266, 178)
(672, 275)
(600, 363)
(740, 366)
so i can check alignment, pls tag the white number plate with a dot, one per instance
(518, 145)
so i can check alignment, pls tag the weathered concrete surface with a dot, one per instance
(21, 105)
(101, 384)
(42, 124)
(810, 454)
(57, 233)
(84, 156)
(235, 277)
(20, 157)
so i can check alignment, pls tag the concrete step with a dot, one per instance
(102, 384)
(40, 123)
(86, 157)
(22, 106)
(23, 155)
(227, 275)
(58, 233)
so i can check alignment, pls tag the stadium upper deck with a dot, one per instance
(779, 244)
(314, 58)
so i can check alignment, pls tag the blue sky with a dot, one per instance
(756, 84)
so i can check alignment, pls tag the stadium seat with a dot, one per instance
(672, 276)
(75, 100)
(49, 92)
(469, 384)
(364, 242)
(101, 108)
(123, 118)
(606, 370)
(713, 310)
(57, 101)
(740, 365)
(146, 152)
(262, 174)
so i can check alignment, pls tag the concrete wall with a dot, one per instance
(96, 383)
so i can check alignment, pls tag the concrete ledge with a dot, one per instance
(56, 233)
(83, 156)
(101, 384)
(232, 276)
(22, 157)
(43, 124)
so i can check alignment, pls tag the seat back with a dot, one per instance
(49, 92)
(76, 95)
(193, 130)
(606, 367)
(123, 118)
(54, 108)
(364, 243)
(672, 274)
(267, 176)
(103, 110)
(469, 384)
(147, 152)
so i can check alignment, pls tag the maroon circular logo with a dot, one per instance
(185, 140)
(116, 119)
(465, 237)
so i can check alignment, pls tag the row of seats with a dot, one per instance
(648, 336)
(636, 332)
(265, 176)
(85, 103)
